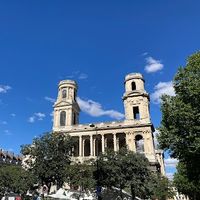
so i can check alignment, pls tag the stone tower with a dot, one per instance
(136, 99)
(136, 104)
(66, 109)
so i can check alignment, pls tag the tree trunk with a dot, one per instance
(133, 192)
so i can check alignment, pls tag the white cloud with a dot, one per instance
(36, 116)
(78, 75)
(95, 109)
(52, 100)
(3, 122)
(153, 65)
(82, 76)
(40, 116)
(155, 138)
(170, 162)
(4, 88)
(13, 114)
(70, 76)
(31, 119)
(51, 115)
(145, 53)
(7, 132)
(170, 175)
(160, 89)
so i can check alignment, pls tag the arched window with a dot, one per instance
(133, 85)
(62, 118)
(64, 94)
(139, 143)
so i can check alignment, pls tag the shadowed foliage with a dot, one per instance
(180, 125)
(48, 157)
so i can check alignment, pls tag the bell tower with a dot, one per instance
(136, 99)
(66, 109)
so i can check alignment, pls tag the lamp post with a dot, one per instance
(98, 187)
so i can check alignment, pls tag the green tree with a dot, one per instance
(124, 169)
(81, 175)
(16, 179)
(48, 157)
(180, 125)
(184, 185)
(138, 174)
(160, 187)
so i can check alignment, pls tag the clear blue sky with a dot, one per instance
(95, 43)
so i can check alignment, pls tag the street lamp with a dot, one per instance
(98, 187)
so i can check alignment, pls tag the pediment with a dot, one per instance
(62, 103)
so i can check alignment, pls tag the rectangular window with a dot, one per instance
(136, 113)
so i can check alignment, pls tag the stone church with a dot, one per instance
(135, 132)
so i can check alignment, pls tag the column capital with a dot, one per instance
(129, 132)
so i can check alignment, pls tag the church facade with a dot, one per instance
(135, 131)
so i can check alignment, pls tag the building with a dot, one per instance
(135, 132)
(10, 158)
(178, 196)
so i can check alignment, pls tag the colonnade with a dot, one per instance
(92, 145)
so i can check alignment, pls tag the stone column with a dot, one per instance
(117, 138)
(127, 140)
(57, 118)
(134, 146)
(114, 141)
(83, 149)
(145, 143)
(130, 142)
(91, 146)
(67, 93)
(80, 145)
(94, 144)
(102, 143)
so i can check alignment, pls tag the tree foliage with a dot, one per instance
(15, 179)
(48, 157)
(124, 169)
(81, 175)
(160, 187)
(180, 126)
(184, 185)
